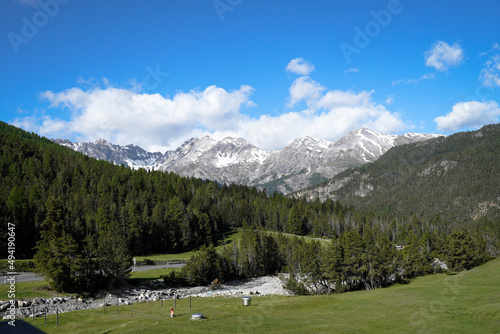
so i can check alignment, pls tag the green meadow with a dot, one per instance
(468, 302)
(224, 239)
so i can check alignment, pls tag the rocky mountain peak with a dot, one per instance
(102, 142)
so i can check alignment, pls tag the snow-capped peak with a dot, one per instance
(310, 143)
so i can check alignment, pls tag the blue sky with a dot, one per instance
(158, 72)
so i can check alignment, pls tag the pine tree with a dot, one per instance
(113, 253)
(57, 255)
(333, 264)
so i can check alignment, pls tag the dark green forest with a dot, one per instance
(82, 219)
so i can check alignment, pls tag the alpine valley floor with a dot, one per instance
(468, 302)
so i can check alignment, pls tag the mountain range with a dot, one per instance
(305, 162)
(454, 177)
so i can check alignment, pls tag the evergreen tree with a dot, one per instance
(333, 265)
(113, 253)
(57, 255)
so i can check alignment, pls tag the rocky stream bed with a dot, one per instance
(146, 292)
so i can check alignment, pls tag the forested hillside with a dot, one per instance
(87, 217)
(455, 178)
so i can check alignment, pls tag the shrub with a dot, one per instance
(295, 286)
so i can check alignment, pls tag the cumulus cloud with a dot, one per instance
(157, 123)
(148, 120)
(275, 132)
(299, 66)
(443, 55)
(472, 114)
(329, 114)
(306, 89)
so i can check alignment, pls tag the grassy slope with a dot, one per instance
(465, 303)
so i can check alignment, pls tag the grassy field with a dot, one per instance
(224, 238)
(147, 275)
(465, 303)
(322, 241)
(167, 257)
(32, 289)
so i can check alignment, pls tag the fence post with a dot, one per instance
(57, 317)
(190, 303)
(45, 316)
(175, 300)
(34, 312)
(161, 302)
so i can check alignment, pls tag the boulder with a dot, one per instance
(439, 265)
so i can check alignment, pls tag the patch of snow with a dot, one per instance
(224, 160)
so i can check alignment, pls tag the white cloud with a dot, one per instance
(352, 70)
(157, 123)
(472, 114)
(332, 113)
(442, 56)
(304, 88)
(494, 46)
(389, 100)
(414, 81)
(275, 132)
(148, 120)
(490, 74)
(299, 66)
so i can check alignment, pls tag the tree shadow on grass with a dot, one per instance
(21, 327)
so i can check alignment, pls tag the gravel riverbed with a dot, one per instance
(264, 286)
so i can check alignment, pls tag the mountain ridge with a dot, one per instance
(302, 163)
(455, 177)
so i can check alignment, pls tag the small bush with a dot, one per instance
(172, 280)
(296, 287)
(215, 284)
(19, 266)
(148, 262)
